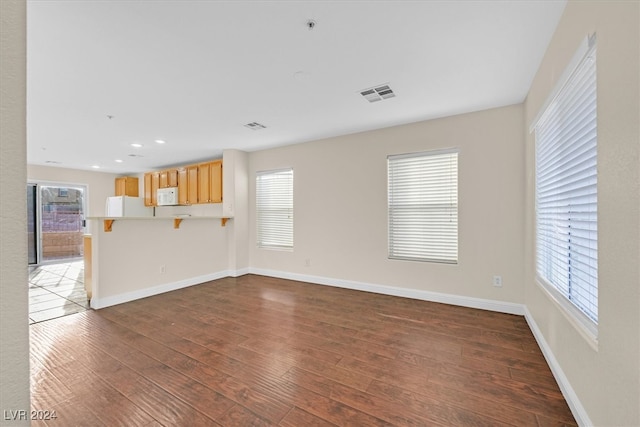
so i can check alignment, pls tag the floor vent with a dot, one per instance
(255, 126)
(379, 93)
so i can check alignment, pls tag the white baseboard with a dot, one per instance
(471, 302)
(97, 302)
(238, 273)
(578, 411)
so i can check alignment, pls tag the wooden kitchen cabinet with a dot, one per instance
(198, 183)
(127, 186)
(147, 189)
(151, 185)
(188, 185)
(210, 182)
(215, 181)
(183, 186)
(169, 178)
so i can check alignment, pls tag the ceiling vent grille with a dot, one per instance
(379, 93)
(255, 126)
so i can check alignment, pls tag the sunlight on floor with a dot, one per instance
(56, 290)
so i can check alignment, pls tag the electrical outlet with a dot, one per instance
(497, 281)
(162, 269)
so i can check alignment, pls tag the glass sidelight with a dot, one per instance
(56, 222)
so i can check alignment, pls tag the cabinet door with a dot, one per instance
(204, 173)
(169, 178)
(172, 177)
(215, 182)
(131, 186)
(121, 187)
(127, 186)
(192, 184)
(147, 189)
(155, 184)
(183, 186)
(164, 179)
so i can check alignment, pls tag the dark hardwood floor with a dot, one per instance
(253, 351)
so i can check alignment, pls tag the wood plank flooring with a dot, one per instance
(258, 351)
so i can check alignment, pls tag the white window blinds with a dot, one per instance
(423, 206)
(274, 209)
(566, 190)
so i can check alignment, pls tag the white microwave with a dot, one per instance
(167, 196)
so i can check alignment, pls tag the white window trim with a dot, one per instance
(580, 322)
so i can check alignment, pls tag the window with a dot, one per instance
(423, 206)
(274, 209)
(566, 192)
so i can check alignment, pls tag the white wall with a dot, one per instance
(14, 332)
(340, 206)
(606, 380)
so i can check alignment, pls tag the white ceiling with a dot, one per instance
(193, 73)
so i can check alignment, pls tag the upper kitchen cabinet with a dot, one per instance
(197, 183)
(169, 178)
(151, 185)
(188, 185)
(210, 182)
(127, 186)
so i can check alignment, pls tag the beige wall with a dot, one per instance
(236, 203)
(340, 206)
(14, 332)
(606, 381)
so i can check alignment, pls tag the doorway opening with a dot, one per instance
(55, 223)
(55, 230)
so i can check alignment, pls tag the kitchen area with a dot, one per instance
(168, 229)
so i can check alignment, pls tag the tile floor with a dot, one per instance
(56, 290)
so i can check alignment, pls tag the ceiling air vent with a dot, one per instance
(377, 93)
(255, 126)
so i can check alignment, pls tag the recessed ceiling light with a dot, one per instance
(136, 145)
(160, 141)
(95, 166)
(119, 160)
